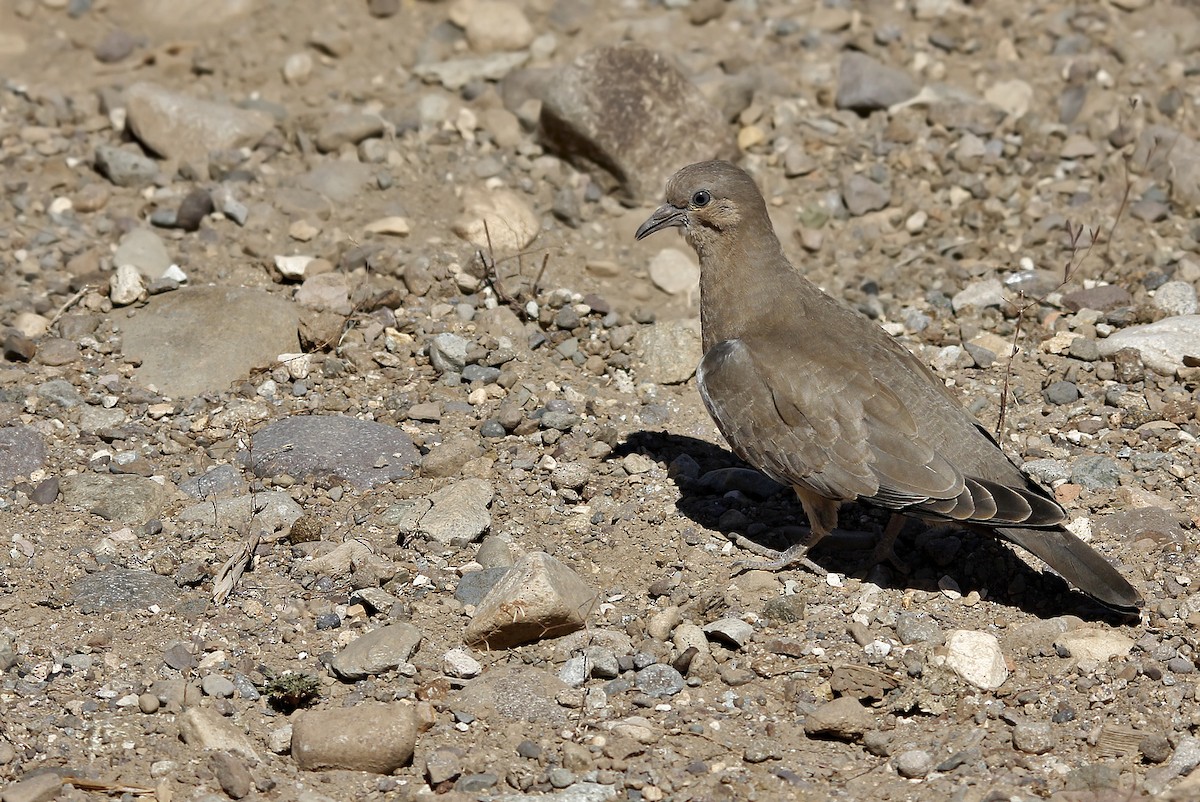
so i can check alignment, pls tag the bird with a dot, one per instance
(823, 400)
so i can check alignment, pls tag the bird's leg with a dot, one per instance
(885, 549)
(822, 518)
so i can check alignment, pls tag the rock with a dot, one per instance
(347, 129)
(273, 511)
(124, 167)
(201, 339)
(364, 453)
(447, 459)
(732, 632)
(205, 729)
(630, 118)
(1103, 298)
(974, 656)
(1101, 645)
(492, 25)
(377, 651)
(222, 481)
(1184, 761)
(22, 451)
(1163, 346)
(913, 763)
(39, 788)
(917, 628)
(144, 250)
(1061, 392)
(459, 512)
(326, 292)
(660, 680)
(195, 206)
(1013, 97)
(1096, 472)
(184, 128)
(1176, 298)
(459, 663)
(124, 589)
(377, 738)
(979, 294)
(454, 74)
(843, 719)
(669, 350)
(126, 499)
(526, 694)
(232, 774)
(500, 213)
(1033, 737)
(126, 286)
(675, 272)
(862, 195)
(339, 182)
(538, 598)
(865, 84)
(448, 353)
(217, 686)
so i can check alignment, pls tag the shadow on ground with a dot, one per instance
(769, 514)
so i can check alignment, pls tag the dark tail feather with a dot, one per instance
(1079, 564)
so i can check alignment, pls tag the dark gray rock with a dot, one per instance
(364, 453)
(22, 451)
(124, 167)
(123, 589)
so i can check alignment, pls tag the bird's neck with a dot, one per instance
(741, 279)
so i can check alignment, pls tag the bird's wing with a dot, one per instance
(831, 426)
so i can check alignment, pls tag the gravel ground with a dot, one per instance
(304, 498)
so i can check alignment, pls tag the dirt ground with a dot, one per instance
(628, 486)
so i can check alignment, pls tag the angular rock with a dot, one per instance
(378, 738)
(670, 351)
(514, 693)
(124, 167)
(844, 719)
(41, 788)
(185, 128)
(363, 453)
(979, 294)
(538, 598)
(974, 656)
(1102, 298)
(631, 118)
(201, 339)
(1093, 644)
(205, 729)
(376, 651)
(459, 512)
(126, 286)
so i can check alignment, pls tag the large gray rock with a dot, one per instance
(378, 738)
(376, 651)
(539, 597)
(865, 84)
(362, 452)
(670, 350)
(1177, 155)
(629, 116)
(124, 498)
(202, 339)
(185, 128)
(123, 588)
(1163, 345)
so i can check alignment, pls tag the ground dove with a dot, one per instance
(819, 398)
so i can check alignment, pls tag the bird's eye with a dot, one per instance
(701, 198)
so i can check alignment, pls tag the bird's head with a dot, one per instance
(709, 201)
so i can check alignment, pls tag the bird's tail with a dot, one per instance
(1079, 564)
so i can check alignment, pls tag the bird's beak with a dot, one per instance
(665, 216)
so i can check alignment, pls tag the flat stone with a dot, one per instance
(347, 129)
(337, 181)
(124, 589)
(202, 339)
(498, 219)
(144, 250)
(628, 116)
(123, 498)
(124, 167)
(363, 453)
(459, 512)
(272, 511)
(1101, 645)
(222, 481)
(538, 598)
(41, 788)
(454, 74)
(377, 651)
(1103, 298)
(22, 451)
(377, 738)
(675, 272)
(524, 694)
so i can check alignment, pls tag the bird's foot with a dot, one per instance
(885, 552)
(797, 554)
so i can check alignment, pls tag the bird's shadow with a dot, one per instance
(770, 514)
